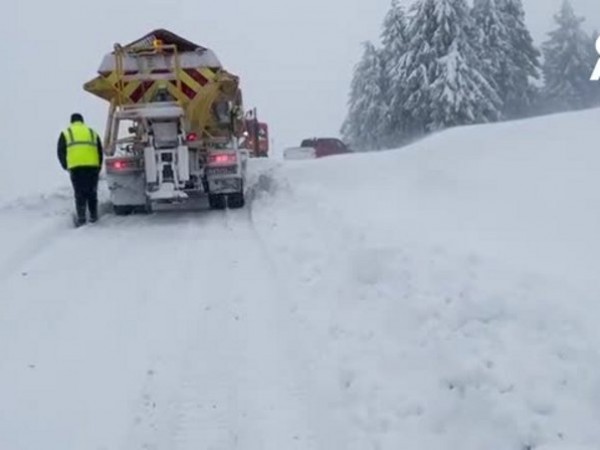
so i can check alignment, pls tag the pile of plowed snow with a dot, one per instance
(453, 284)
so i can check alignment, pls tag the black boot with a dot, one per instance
(92, 197)
(93, 207)
(80, 208)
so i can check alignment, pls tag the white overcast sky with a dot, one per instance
(294, 57)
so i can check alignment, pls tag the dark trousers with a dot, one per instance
(85, 185)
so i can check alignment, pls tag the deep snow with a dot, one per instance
(440, 296)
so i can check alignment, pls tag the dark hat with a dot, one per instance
(76, 117)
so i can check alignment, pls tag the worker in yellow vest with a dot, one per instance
(80, 152)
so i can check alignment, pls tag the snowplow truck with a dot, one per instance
(175, 122)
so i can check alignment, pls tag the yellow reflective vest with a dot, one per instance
(82, 146)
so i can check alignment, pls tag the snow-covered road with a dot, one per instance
(171, 331)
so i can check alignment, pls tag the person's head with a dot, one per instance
(76, 117)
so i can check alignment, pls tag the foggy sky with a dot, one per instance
(295, 59)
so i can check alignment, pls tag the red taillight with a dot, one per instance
(222, 159)
(192, 137)
(121, 164)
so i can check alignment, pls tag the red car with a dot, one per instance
(326, 146)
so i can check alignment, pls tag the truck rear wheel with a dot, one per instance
(216, 201)
(122, 210)
(236, 201)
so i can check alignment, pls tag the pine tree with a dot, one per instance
(492, 37)
(394, 38)
(394, 35)
(444, 74)
(364, 126)
(519, 64)
(568, 57)
(415, 68)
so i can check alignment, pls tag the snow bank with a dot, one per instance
(453, 283)
(521, 192)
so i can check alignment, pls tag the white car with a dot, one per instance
(298, 153)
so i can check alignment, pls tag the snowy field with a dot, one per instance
(442, 296)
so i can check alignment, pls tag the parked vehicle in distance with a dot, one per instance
(326, 146)
(316, 148)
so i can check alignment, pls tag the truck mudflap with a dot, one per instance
(225, 172)
(127, 188)
(225, 185)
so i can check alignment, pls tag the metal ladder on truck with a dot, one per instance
(160, 112)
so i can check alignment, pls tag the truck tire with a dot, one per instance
(122, 210)
(147, 209)
(236, 201)
(216, 201)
